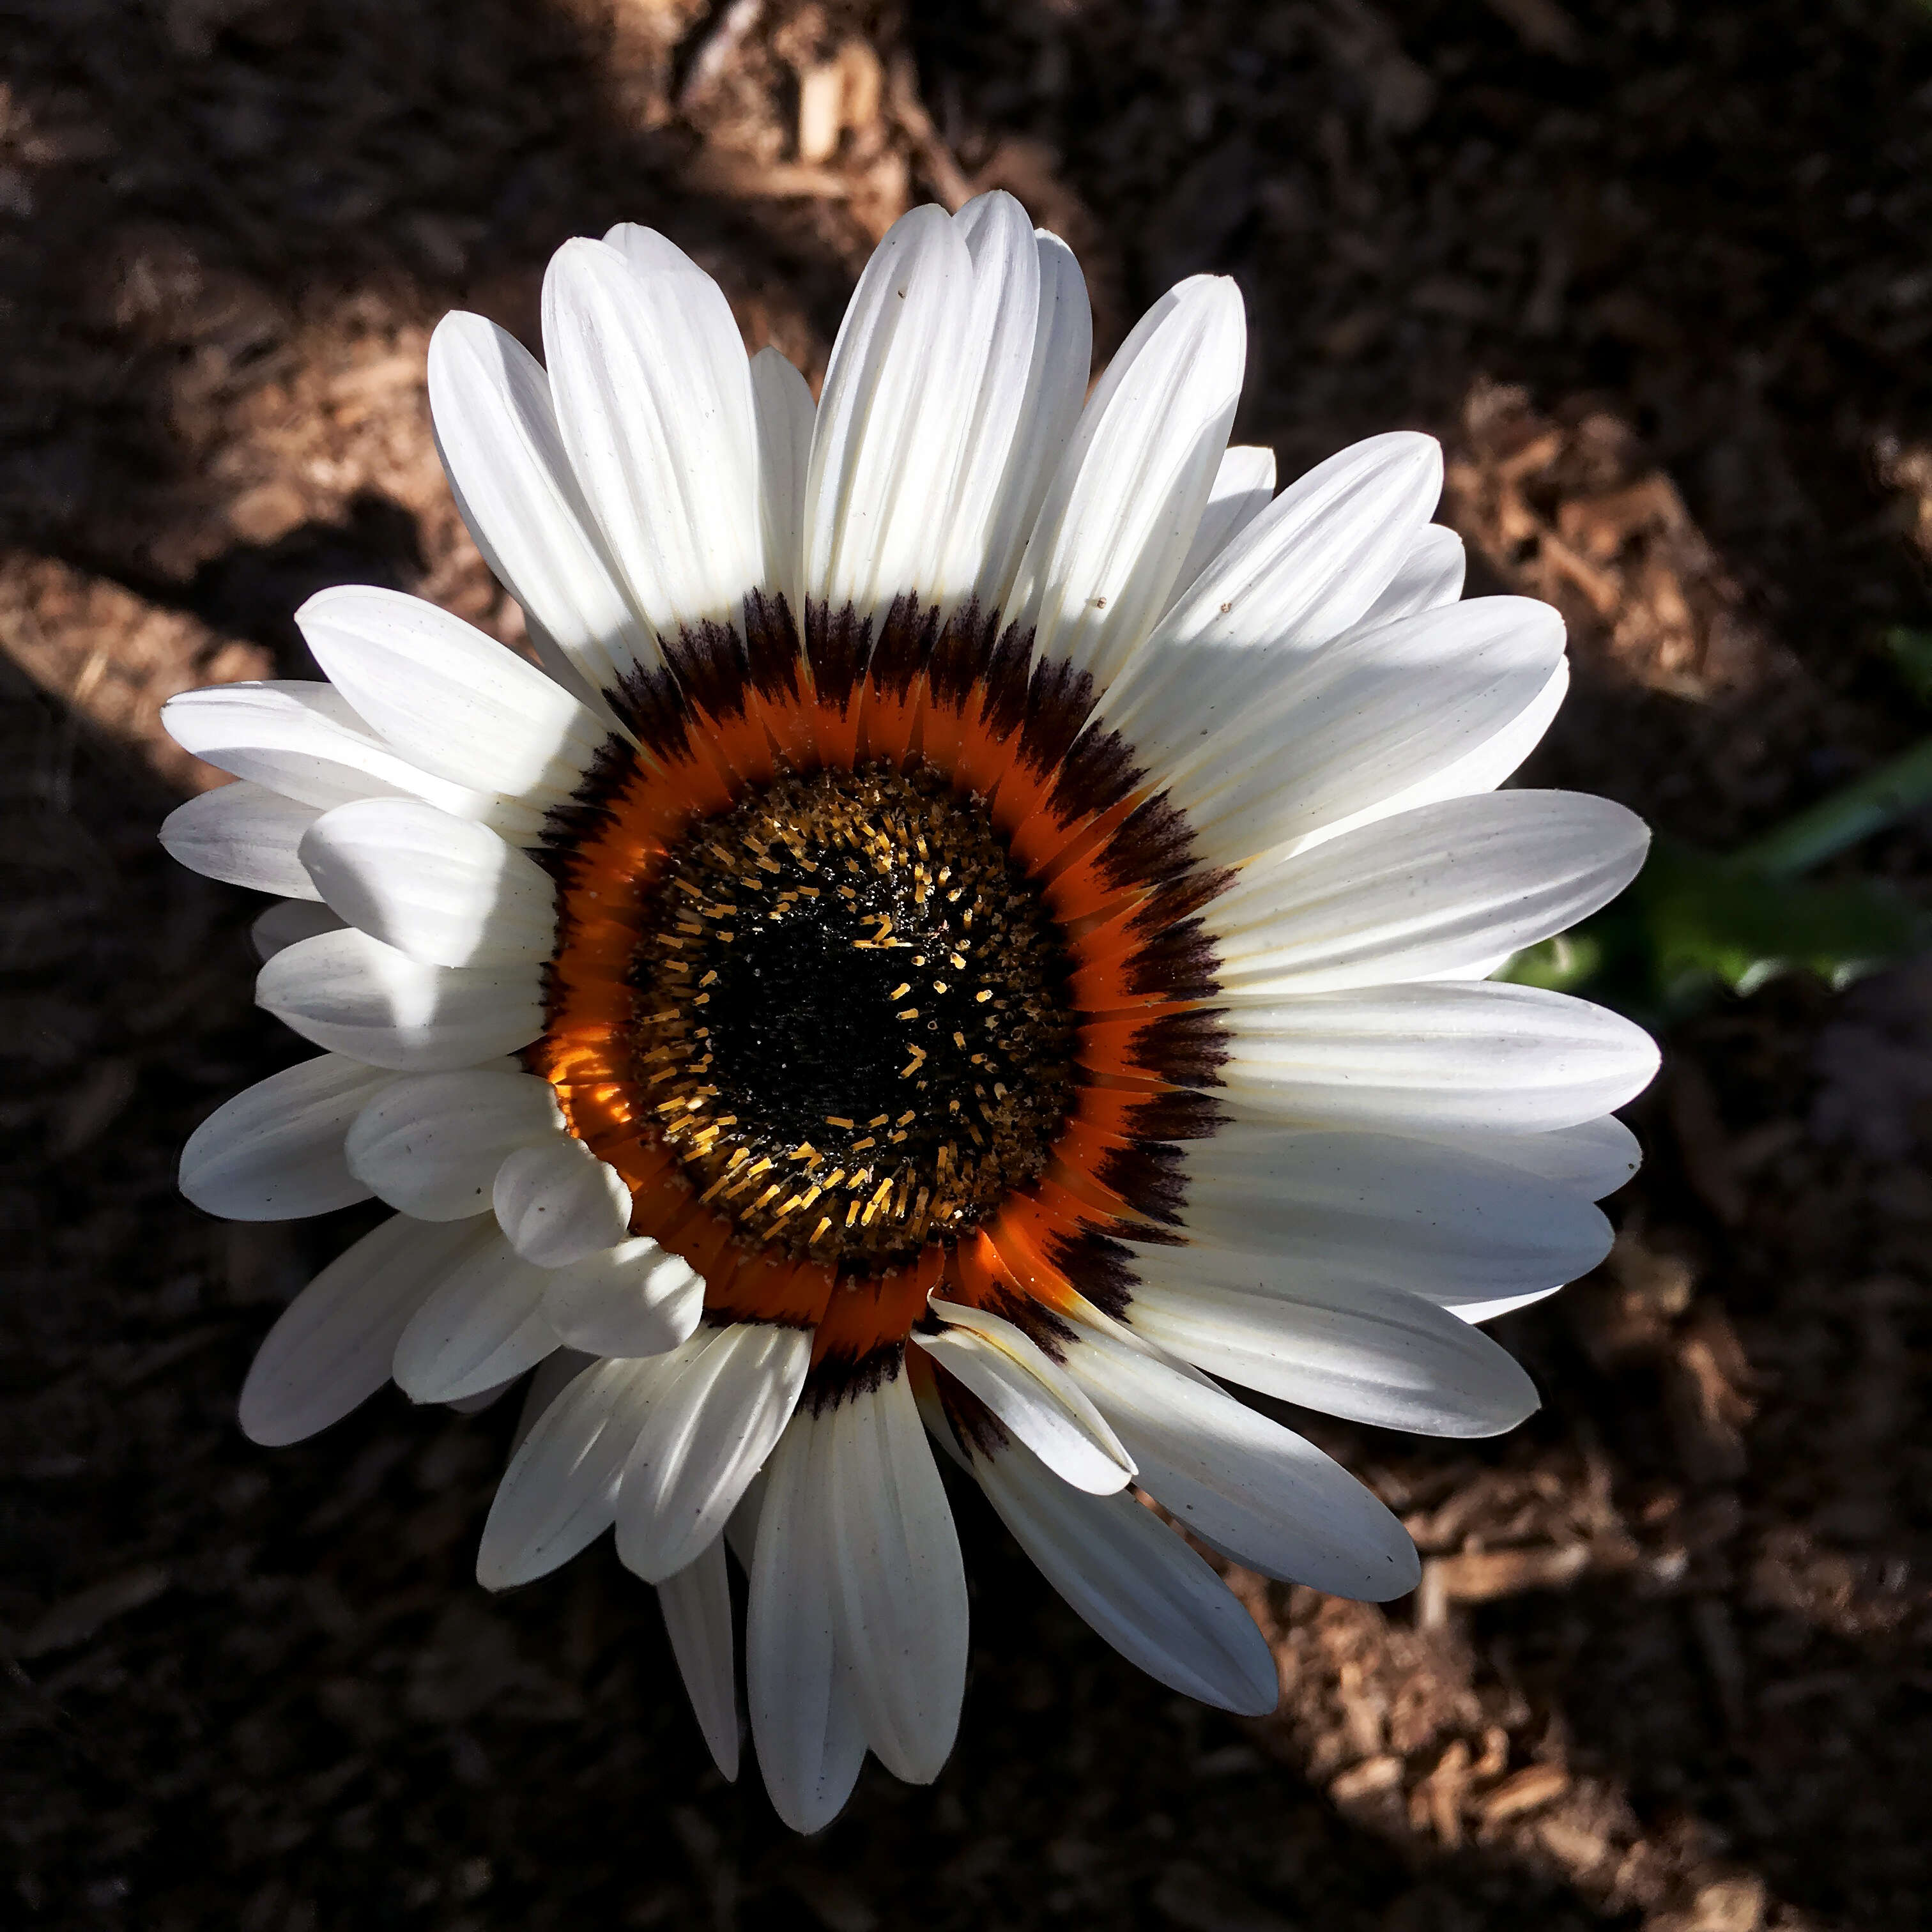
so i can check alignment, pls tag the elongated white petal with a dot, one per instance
(728, 1394)
(1594, 1157)
(1373, 1353)
(1421, 894)
(304, 741)
(559, 1493)
(890, 420)
(480, 1326)
(899, 1596)
(1422, 1058)
(444, 890)
(1301, 572)
(274, 1152)
(652, 389)
(487, 1398)
(550, 1378)
(353, 995)
(979, 515)
(431, 1144)
(634, 1299)
(786, 412)
(1030, 1394)
(244, 835)
(1411, 1213)
(331, 1348)
(1135, 1582)
(288, 923)
(1356, 722)
(1430, 575)
(1242, 488)
(804, 1723)
(497, 432)
(558, 1203)
(741, 1533)
(1244, 1483)
(1063, 359)
(1121, 512)
(451, 700)
(696, 1607)
(1481, 770)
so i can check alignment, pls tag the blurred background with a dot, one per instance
(1658, 272)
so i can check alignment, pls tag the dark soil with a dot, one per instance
(1657, 273)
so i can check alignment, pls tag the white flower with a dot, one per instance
(982, 919)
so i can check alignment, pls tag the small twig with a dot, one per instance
(949, 179)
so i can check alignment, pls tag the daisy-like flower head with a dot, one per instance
(975, 936)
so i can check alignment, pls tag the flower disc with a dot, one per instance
(852, 1024)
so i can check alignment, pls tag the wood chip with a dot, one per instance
(1365, 1780)
(75, 1618)
(1524, 1790)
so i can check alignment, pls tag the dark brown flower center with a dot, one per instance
(852, 1022)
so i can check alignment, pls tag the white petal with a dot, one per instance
(558, 1203)
(1136, 1583)
(1031, 1395)
(785, 414)
(444, 890)
(1243, 1483)
(559, 1493)
(890, 420)
(289, 922)
(803, 1722)
(1313, 562)
(332, 1346)
(451, 700)
(497, 432)
(899, 1597)
(274, 1152)
(726, 1395)
(244, 835)
(431, 1144)
(552, 1376)
(635, 1299)
(1121, 512)
(982, 517)
(1501, 1304)
(697, 1606)
(1414, 1214)
(304, 741)
(1062, 361)
(480, 1327)
(1480, 770)
(353, 995)
(475, 1404)
(1355, 722)
(1423, 1058)
(1242, 489)
(1430, 575)
(1595, 1158)
(653, 395)
(1373, 1353)
(1421, 894)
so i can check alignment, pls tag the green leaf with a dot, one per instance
(1910, 650)
(1704, 919)
(1693, 924)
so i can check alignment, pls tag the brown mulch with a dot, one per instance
(1656, 274)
